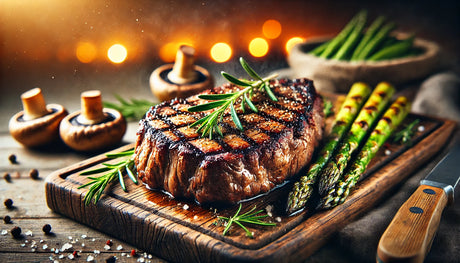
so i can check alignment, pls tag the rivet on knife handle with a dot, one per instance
(409, 236)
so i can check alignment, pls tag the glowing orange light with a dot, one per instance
(258, 47)
(117, 53)
(85, 52)
(271, 29)
(168, 51)
(221, 52)
(292, 42)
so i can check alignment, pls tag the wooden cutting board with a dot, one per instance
(182, 231)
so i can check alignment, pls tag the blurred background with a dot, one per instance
(66, 47)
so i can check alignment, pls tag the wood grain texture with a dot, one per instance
(409, 236)
(181, 231)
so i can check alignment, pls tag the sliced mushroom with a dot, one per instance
(38, 124)
(181, 79)
(94, 127)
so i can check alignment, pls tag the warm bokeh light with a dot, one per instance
(168, 51)
(117, 53)
(221, 52)
(85, 52)
(292, 42)
(271, 29)
(258, 47)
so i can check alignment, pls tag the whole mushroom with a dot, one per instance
(181, 79)
(38, 124)
(94, 127)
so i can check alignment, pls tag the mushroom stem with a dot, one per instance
(34, 104)
(184, 71)
(91, 108)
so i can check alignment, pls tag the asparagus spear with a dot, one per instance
(370, 32)
(385, 127)
(302, 190)
(373, 43)
(342, 36)
(360, 127)
(352, 39)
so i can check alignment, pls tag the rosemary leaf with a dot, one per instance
(235, 80)
(95, 171)
(216, 96)
(250, 104)
(235, 118)
(249, 70)
(207, 106)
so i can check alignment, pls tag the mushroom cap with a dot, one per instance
(164, 89)
(40, 131)
(81, 137)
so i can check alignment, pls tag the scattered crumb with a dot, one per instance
(421, 128)
(278, 219)
(186, 207)
(387, 152)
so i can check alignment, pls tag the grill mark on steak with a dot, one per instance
(276, 143)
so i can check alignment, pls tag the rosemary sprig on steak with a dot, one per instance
(209, 124)
(302, 190)
(362, 125)
(250, 217)
(385, 127)
(111, 173)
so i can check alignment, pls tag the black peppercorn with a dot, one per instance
(111, 259)
(8, 203)
(33, 174)
(12, 159)
(7, 219)
(16, 232)
(47, 228)
(7, 177)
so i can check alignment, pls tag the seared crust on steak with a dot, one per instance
(277, 142)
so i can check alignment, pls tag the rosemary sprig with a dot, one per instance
(249, 217)
(209, 124)
(131, 110)
(403, 136)
(111, 173)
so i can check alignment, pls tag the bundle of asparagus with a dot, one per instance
(385, 127)
(348, 134)
(367, 117)
(356, 42)
(303, 189)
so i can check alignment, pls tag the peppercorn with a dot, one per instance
(7, 177)
(8, 203)
(111, 259)
(47, 229)
(16, 232)
(109, 242)
(12, 159)
(33, 174)
(7, 219)
(75, 254)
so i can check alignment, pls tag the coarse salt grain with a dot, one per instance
(45, 246)
(387, 152)
(97, 252)
(29, 233)
(61, 256)
(421, 128)
(141, 260)
(107, 247)
(278, 219)
(186, 207)
(195, 217)
(89, 258)
(119, 247)
(69, 237)
(4, 232)
(70, 256)
(66, 246)
(83, 236)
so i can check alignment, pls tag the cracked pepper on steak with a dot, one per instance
(277, 142)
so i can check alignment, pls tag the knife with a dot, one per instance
(409, 236)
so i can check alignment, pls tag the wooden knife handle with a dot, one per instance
(409, 236)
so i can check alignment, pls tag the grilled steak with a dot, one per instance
(277, 142)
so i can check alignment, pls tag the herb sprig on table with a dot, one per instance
(209, 124)
(111, 173)
(134, 109)
(250, 217)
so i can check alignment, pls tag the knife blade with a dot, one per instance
(409, 236)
